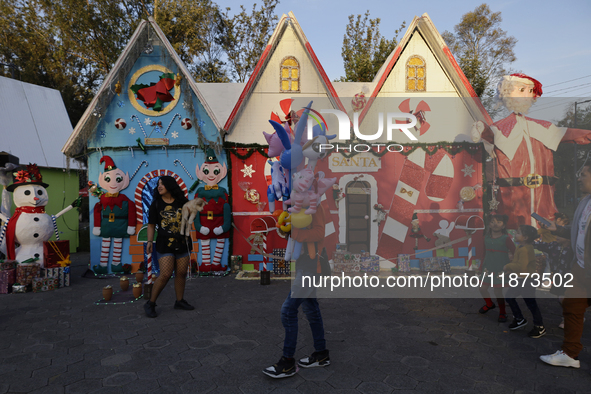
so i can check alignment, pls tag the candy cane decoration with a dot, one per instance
(131, 149)
(3, 231)
(181, 163)
(265, 258)
(149, 258)
(57, 234)
(138, 168)
(470, 253)
(172, 120)
(140, 123)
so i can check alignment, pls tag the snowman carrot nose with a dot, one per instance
(35, 198)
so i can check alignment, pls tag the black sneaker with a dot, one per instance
(517, 324)
(150, 309)
(537, 331)
(284, 368)
(317, 359)
(182, 304)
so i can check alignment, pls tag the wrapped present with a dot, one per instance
(44, 284)
(7, 279)
(8, 265)
(341, 247)
(26, 272)
(18, 288)
(56, 254)
(280, 266)
(370, 264)
(62, 274)
(403, 263)
(430, 264)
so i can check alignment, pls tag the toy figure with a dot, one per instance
(278, 190)
(524, 148)
(416, 232)
(215, 220)
(114, 216)
(257, 243)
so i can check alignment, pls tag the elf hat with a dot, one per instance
(30, 176)
(210, 157)
(526, 79)
(109, 163)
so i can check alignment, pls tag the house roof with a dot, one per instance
(148, 31)
(218, 95)
(425, 27)
(282, 25)
(35, 123)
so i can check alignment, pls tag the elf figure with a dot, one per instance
(114, 216)
(214, 221)
(416, 232)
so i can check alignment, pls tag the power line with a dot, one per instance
(576, 79)
(560, 102)
(576, 87)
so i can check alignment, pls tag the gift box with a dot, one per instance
(403, 263)
(430, 264)
(280, 266)
(341, 247)
(7, 279)
(56, 254)
(26, 272)
(44, 284)
(8, 265)
(62, 274)
(370, 264)
(18, 288)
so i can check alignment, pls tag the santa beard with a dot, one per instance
(518, 105)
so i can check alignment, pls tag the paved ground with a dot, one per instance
(61, 342)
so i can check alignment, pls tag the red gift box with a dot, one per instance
(7, 278)
(56, 254)
(26, 272)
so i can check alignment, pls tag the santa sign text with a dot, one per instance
(362, 162)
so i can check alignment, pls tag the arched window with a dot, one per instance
(290, 75)
(416, 74)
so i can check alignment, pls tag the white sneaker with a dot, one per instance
(561, 359)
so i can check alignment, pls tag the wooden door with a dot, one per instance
(358, 207)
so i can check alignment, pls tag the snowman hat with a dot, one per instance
(30, 176)
(109, 163)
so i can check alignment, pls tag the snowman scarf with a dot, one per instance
(11, 228)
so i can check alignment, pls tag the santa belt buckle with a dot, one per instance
(111, 217)
(209, 215)
(533, 181)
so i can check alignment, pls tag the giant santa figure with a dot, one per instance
(524, 149)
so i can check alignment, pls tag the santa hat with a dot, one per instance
(30, 176)
(210, 157)
(526, 79)
(109, 163)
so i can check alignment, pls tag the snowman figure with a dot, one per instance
(29, 226)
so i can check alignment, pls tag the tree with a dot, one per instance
(249, 35)
(481, 47)
(364, 49)
(199, 32)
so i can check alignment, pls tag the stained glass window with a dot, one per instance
(416, 74)
(290, 75)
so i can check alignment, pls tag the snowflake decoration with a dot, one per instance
(248, 171)
(200, 123)
(186, 105)
(103, 134)
(174, 134)
(158, 129)
(120, 103)
(468, 170)
(132, 130)
(148, 121)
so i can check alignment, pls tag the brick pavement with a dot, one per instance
(61, 342)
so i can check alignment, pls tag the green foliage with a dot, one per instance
(364, 49)
(481, 47)
(248, 38)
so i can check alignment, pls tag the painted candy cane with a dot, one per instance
(184, 168)
(172, 120)
(138, 168)
(140, 123)
(57, 233)
(149, 258)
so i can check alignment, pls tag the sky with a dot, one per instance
(553, 37)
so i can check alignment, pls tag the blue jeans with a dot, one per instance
(289, 318)
(528, 292)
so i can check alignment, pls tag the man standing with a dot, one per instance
(524, 148)
(576, 298)
(312, 239)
